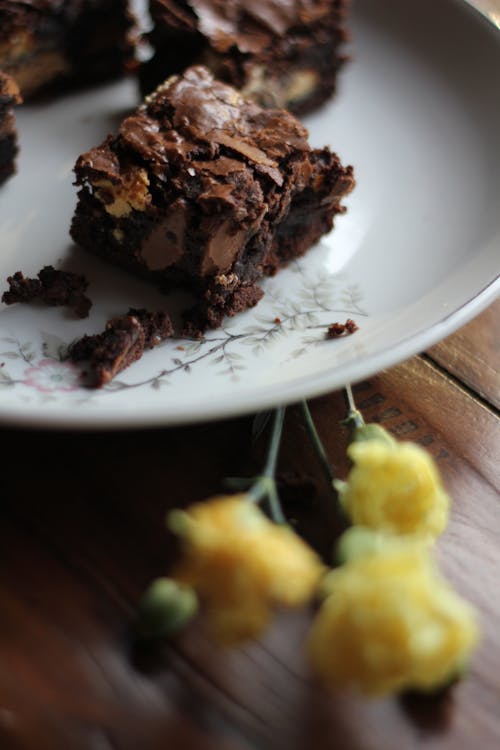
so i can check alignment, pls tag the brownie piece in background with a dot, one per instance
(281, 53)
(205, 190)
(45, 43)
(9, 96)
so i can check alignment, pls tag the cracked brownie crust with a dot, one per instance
(284, 53)
(204, 189)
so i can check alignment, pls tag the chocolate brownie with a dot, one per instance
(281, 53)
(121, 343)
(54, 288)
(204, 189)
(44, 43)
(9, 96)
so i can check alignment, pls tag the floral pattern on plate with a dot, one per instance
(42, 365)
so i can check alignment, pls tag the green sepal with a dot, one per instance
(372, 431)
(443, 688)
(178, 522)
(354, 419)
(358, 541)
(165, 608)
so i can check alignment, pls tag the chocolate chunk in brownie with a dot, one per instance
(120, 344)
(203, 189)
(47, 43)
(281, 53)
(9, 96)
(54, 288)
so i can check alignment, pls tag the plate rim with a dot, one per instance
(412, 345)
(110, 418)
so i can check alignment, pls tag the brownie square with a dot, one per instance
(9, 96)
(281, 53)
(203, 189)
(47, 43)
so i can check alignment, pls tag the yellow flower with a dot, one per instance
(394, 487)
(241, 564)
(390, 622)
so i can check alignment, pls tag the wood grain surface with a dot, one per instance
(83, 533)
(473, 355)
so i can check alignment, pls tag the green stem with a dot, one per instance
(316, 441)
(275, 505)
(265, 487)
(258, 490)
(354, 417)
(265, 484)
(274, 443)
(323, 458)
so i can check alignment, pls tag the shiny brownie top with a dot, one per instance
(194, 118)
(248, 25)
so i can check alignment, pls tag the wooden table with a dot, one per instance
(82, 533)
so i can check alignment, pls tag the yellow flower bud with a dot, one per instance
(394, 487)
(390, 622)
(241, 564)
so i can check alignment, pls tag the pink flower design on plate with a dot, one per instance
(50, 375)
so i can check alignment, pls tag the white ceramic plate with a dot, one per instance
(415, 257)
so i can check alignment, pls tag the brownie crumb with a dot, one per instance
(54, 288)
(192, 330)
(157, 326)
(335, 330)
(121, 343)
(351, 326)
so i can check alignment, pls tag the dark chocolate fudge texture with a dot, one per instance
(281, 53)
(123, 342)
(9, 96)
(52, 287)
(203, 189)
(47, 43)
